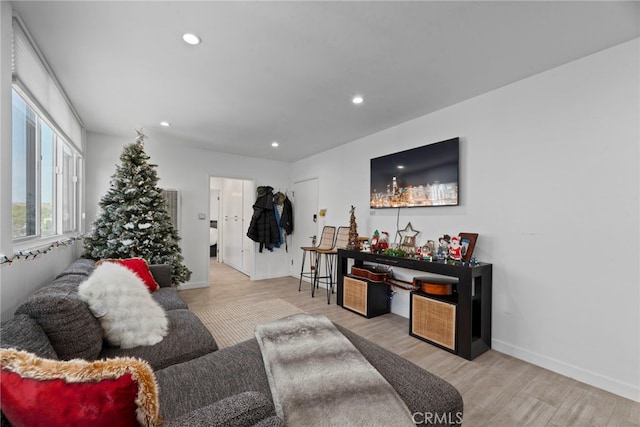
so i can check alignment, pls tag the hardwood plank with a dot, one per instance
(498, 390)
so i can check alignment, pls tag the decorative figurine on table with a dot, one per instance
(431, 247)
(455, 250)
(409, 244)
(374, 240)
(426, 251)
(383, 241)
(353, 244)
(443, 247)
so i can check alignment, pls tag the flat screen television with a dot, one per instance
(419, 177)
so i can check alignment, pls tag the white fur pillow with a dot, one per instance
(129, 315)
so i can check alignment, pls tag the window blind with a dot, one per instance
(32, 74)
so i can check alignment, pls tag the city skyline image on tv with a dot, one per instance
(419, 177)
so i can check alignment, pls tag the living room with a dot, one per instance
(549, 180)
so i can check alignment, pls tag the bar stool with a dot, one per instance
(326, 242)
(331, 257)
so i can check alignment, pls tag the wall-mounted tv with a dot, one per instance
(419, 177)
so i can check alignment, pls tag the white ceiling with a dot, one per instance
(286, 71)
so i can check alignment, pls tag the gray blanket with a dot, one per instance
(317, 377)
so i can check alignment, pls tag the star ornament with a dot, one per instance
(141, 136)
(408, 231)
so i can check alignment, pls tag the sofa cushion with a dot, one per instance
(273, 421)
(71, 328)
(24, 333)
(138, 266)
(187, 339)
(80, 266)
(37, 391)
(215, 376)
(162, 274)
(129, 315)
(70, 279)
(240, 410)
(169, 299)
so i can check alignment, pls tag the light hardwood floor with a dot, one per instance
(498, 390)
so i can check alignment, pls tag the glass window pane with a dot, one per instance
(67, 188)
(47, 180)
(23, 168)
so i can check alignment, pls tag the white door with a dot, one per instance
(305, 211)
(232, 198)
(248, 245)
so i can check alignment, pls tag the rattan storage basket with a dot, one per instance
(434, 320)
(355, 295)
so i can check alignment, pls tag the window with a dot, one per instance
(45, 176)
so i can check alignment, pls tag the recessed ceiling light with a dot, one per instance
(165, 124)
(274, 144)
(191, 39)
(357, 99)
(400, 167)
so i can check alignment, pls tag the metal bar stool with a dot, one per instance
(331, 257)
(326, 242)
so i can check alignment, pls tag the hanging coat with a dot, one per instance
(286, 220)
(264, 226)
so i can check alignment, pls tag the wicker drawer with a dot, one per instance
(433, 320)
(367, 298)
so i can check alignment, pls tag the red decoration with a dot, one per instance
(118, 392)
(28, 402)
(140, 267)
(455, 250)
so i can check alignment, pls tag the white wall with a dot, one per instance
(188, 170)
(549, 179)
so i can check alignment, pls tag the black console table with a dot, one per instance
(472, 299)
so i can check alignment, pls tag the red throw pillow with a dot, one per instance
(138, 266)
(41, 392)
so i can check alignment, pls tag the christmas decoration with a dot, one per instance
(353, 244)
(455, 250)
(443, 246)
(134, 220)
(406, 234)
(383, 241)
(35, 253)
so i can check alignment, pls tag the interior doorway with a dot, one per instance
(231, 208)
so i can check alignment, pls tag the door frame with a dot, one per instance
(251, 269)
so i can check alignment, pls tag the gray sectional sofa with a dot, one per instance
(198, 384)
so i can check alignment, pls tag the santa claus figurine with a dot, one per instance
(455, 250)
(383, 241)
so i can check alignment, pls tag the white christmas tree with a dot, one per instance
(134, 220)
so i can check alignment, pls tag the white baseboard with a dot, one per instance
(626, 390)
(269, 276)
(192, 285)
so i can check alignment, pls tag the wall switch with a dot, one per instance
(202, 215)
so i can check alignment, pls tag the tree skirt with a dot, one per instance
(236, 323)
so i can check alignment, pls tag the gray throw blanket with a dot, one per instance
(317, 377)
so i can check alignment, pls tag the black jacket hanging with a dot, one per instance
(286, 220)
(264, 226)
